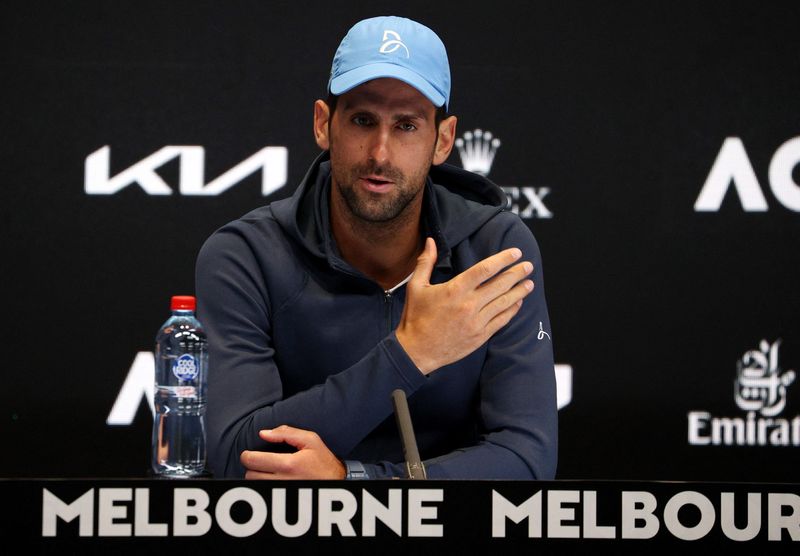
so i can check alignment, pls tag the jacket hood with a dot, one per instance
(456, 204)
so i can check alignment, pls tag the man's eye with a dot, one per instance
(407, 126)
(362, 120)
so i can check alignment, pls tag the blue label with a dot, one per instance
(185, 367)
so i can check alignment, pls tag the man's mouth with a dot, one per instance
(376, 183)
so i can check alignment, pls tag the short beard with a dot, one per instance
(374, 208)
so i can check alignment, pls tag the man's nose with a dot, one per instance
(379, 146)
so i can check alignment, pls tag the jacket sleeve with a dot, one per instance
(519, 416)
(245, 392)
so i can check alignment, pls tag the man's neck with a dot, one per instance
(386, 252)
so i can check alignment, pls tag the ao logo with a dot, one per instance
(271, 161)
(140, 384)
(733, 166)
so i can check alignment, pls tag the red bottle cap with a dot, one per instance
(183, 303)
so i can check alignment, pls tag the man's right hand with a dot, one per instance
(442, 323)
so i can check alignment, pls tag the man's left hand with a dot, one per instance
(312, 460)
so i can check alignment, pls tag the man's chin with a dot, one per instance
(375, 216)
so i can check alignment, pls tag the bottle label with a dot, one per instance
(185, 367)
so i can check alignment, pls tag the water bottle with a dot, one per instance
(179, 432)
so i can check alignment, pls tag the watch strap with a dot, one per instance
(355, 470)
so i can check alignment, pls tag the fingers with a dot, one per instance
(502, 318)
(299, 438)
(265, 466)
(488, 267)
(271, 465)
(510, 300)
(259, 476)
(312, 460)
(504, 281)
(259, 463)
(425, 263)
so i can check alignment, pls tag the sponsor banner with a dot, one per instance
(477, 150)
(272, 162)
(760, 390)
(531, 515)
(733, 169)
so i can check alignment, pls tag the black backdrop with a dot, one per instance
(610, 114)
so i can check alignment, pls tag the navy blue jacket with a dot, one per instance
(299, 337)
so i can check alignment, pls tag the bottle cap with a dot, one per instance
(183, 303)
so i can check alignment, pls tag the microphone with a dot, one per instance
(416, 470)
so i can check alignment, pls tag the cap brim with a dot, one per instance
(353, 78)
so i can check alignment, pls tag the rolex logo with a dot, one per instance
(477, 149)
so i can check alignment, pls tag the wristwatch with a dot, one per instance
(355, 470)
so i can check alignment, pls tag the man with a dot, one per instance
(386, 269)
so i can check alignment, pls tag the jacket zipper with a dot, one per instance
(387, 304)
(388, 296)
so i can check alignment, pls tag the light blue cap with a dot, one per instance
(391, 46)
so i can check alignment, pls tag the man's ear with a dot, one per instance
(322, 115)
(446, 140)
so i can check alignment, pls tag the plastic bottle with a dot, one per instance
(179, 432)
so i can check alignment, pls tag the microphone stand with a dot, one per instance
(414, 465)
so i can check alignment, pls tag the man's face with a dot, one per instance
(382, 141)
